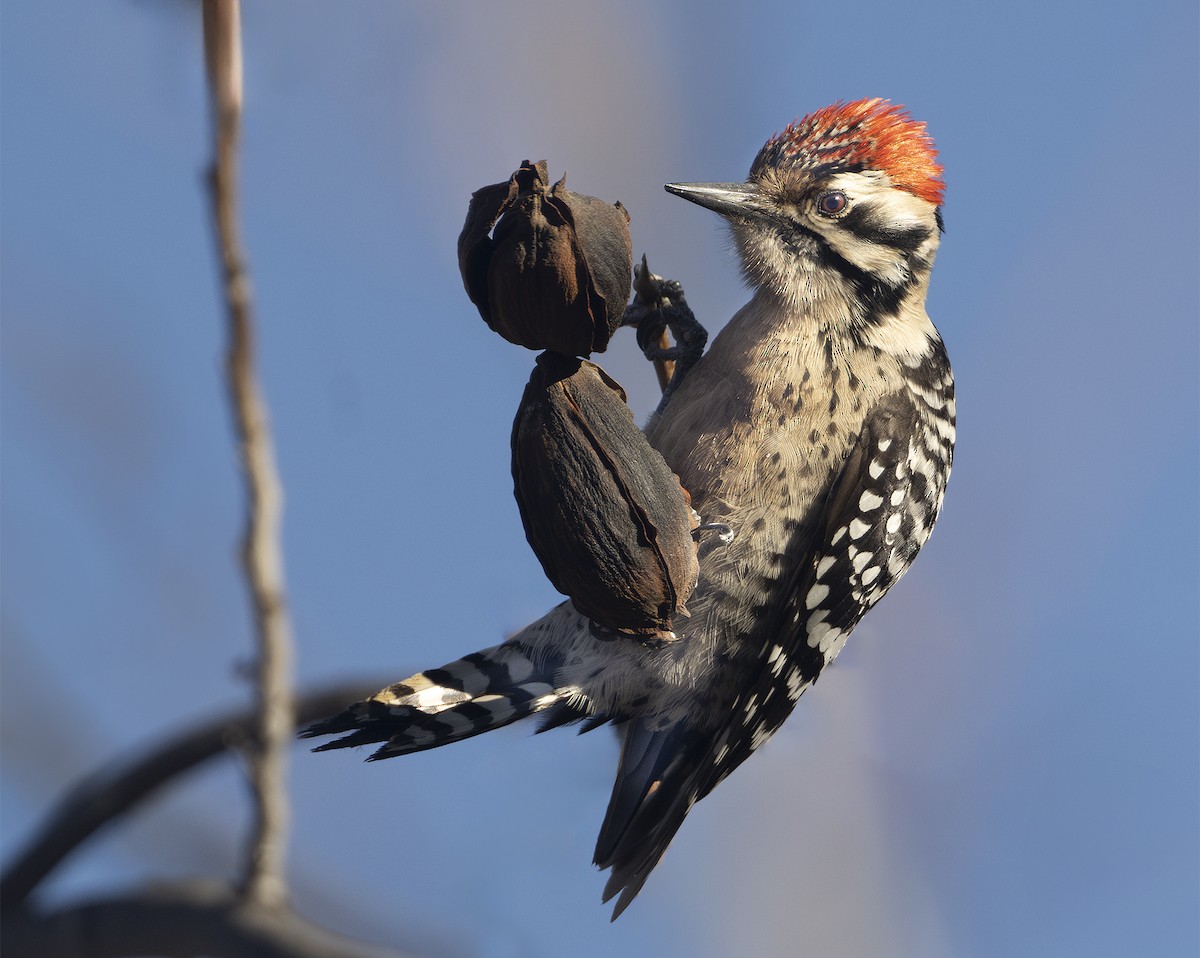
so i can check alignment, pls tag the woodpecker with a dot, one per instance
(819, 427)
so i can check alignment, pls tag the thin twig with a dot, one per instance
(263, 877)
(116, 788)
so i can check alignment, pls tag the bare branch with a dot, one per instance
(177, 921)
(114, 790)
(262, 555)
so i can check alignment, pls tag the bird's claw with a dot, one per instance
(659, 305)
(724, 531)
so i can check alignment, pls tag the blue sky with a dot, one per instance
(1004, 759)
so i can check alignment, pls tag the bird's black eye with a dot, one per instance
(832, 203)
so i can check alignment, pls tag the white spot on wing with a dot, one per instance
(815, 596)
(869, 500)
(834, 645)
(776, 659)
(858, 529)
(834, 637)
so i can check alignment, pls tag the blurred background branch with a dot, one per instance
(194, 919)
(209, 917)
(197, 918)
(262, 554)
(112, 792)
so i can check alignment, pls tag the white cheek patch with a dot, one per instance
(882, 261)
(900, 211)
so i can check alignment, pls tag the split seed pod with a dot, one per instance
(555, 273)
(602, 510)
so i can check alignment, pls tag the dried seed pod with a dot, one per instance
(602, 510)
(555, 273)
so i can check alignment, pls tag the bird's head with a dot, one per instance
(841, 207)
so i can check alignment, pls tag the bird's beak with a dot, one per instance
(728, 199)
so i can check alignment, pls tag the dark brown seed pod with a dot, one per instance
(602, 510)
(556, 272)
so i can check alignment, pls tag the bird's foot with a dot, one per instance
(659, 305)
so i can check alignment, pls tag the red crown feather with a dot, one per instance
(863, 135)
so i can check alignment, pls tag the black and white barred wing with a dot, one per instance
(877, 515)
(875, 518)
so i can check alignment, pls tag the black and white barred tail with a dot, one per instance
(475, 694)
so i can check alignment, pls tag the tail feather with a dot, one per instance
(475, 694)
(573, 710)
(662, 773)
(655, 789)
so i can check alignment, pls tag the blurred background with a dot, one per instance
(1004, 761)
